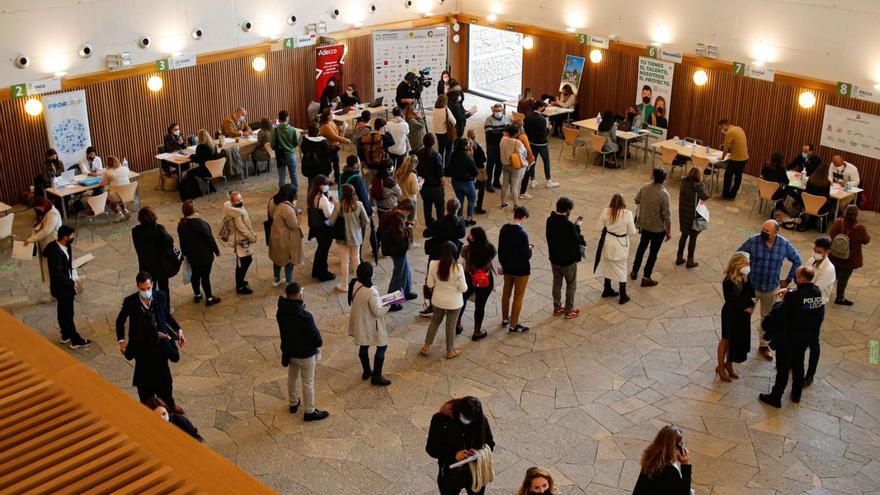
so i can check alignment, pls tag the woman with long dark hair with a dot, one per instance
(447, 283)
(774, 171)
(350, 234)
(666, 465)
(463, 171)
(199, 247)
(479, 274)
(458, 430)
(395, 236)
(608, 130)
(321, 205)
(329, 94)
(616, 224)
(538, 481)
(366, 323)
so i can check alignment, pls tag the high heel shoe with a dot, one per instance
(730, 372)
(722, 373)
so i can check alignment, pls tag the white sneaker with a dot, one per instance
(551, 184)
(525, 196)
(278, 283)
(534, 183)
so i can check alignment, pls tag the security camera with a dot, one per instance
(22, 61)
(197, 33)
(291, 20)
(247, 25)
(334, 13)
(144, 41)
(372, 8)
(442, 1)
(86, 50)
(407, 3)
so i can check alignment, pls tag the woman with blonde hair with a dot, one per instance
(616, 225)
(666, 465)
(538, 481)
(206, 150)
(406, 178)
(736, 316)
(116, 174)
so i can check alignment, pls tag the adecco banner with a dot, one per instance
(67, 124)
(328, 65)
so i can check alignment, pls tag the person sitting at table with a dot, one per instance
(91, 164)
(52, 167)
(526, 105)
(117, 174)
(234, 125)
(807, 161)
(658, 117)
(263, 136)
(350, 98)
(608, 130)
(774, 171)
(818, 185)
(567, 99)
(329, 98)
(631, 120)
(174, 140)
(205, 151)
(843, 172)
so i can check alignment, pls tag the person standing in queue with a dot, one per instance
(825, 278)
(242, 238)
(155, 249)
(456, 432)
(64, 285)
(199, 247)
(798, 318)
(367, 323)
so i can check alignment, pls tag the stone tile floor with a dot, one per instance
(581, 397)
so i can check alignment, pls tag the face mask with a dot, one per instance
(445, 78)
(464, 420)
(325, 189)
(349, 92)
(177, 132)
(765, 236)
(241, 118)
(331, 84)
(805, 155)
(239, 204)
(818, 256)
(532, 492)
(146, 294)
(646, 99)
(723, 131)
(165, 416)
(745, 271)
(497, 115)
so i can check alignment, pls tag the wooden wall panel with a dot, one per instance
(768, 111)
(128, 120)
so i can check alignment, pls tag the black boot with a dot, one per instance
(378, 379)
(608, 291)
(365, 364)
(623, 297)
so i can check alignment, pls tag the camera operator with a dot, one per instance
(406, 90)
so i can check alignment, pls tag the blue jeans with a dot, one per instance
(401, 277)
(286, 163)
(493, 166)
(444, 147)
(288, 272)
(465, 188)
(544, 153)
(334, 160)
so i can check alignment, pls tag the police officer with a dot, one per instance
(406, 90)
(801, 314)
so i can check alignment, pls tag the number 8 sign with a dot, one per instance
(844, 89)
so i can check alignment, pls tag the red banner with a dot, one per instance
(329, 61)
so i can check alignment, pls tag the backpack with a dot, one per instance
(840, 246)
(311, 164)
(226, 230)
(377, 189)
(374, 153)
(480, 278)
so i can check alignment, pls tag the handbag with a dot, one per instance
(701, 217)
(339, 227)
(187, 272)
(451, 133)
(516, 161)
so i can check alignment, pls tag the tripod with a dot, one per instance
(420, 108)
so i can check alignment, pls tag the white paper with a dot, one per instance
(702, 210)
(462, 462)
(22, 252)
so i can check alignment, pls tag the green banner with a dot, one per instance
(739, 69)
(19, 90)
(844, 89)
(162, 65)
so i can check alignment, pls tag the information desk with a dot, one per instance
(75, 188)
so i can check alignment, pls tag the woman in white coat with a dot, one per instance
(367, 323)
(616, 224)
(447, 283)
(45, 230)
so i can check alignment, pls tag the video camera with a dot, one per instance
(423, 80)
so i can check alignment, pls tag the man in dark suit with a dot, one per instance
(807, 160)
(63, 285)
(514, 253)
(153, 334)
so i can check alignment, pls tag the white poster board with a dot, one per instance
(408, 50)
(655, 84)
(849, 130)
(67, 124)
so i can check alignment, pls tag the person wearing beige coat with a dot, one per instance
(285, 238)
(242, 239)
(45, 230)
(366, 323)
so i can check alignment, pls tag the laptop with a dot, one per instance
(376, 103)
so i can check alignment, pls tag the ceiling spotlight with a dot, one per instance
(334, 13)
(144, 41)
(595, 55)
(259, 63)
(701, 78)
(155, 83)
(247, 25)
(372, 8)
(491, 17)
(197, 33)
(407, 3)
(807, 99)
(33, 107)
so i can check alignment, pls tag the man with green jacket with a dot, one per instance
(284, 141)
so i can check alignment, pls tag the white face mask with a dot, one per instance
(445, 78)
(331, 84)
(464, 420)
(165, 416)
(818, 256)
(325, 189)
(241, 118)
(146, 294)
(497, 115)
(745, 271)
(177, 132)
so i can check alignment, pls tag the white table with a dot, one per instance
(838, 192)
(688, 150)
(550, 111)
(245, 144)
(627, 136)
(75, 188)
(355, 113)
(5, 208)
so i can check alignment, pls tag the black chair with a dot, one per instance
(192, 140)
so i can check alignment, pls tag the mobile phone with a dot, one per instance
(579, 219)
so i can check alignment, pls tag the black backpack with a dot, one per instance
(311, 164)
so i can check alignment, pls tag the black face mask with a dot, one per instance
(765, 236)
(646, 99)
(239, 204)
(546, 492)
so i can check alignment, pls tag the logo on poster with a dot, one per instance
(70, 136)
(327, 51)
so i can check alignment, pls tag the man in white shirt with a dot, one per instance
(398, 129)
(843, 172)
(91, 165)
(824, 278)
